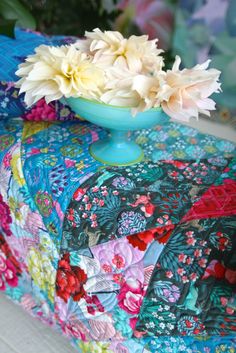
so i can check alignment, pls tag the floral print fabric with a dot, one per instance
(194, 294)
(126, 259)
(12, 105)
(119, 202)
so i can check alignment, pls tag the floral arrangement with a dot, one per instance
(108, 68)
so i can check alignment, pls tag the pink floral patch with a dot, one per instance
(8, 272)
(41, 112)
(130, 297)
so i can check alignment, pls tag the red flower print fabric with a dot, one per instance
(70, 280)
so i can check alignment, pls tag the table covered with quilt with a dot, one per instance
(120, 259)
(137, 259)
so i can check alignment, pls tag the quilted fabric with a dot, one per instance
(123, 259)
(12, 105)
(12, 53)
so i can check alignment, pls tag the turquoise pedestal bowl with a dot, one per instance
(116, 149)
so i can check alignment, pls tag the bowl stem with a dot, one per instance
(117, 150)
(117, 136)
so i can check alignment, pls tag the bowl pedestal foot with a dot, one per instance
(117, 150)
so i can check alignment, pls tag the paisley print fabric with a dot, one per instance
(120, 259)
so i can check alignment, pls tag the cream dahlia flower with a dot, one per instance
(137, 53)
(140, 92)
(53, 72)
(189, 90)
(151, 89)
(118, 88)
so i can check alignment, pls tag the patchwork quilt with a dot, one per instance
(137, 259)
(121, 259)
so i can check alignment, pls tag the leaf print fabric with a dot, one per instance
(120, 259)
(110, 211)
(188, 273)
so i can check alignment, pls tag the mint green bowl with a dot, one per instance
(116, 149)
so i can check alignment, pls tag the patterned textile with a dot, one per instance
(12, 53)
(12, 105)
(133, 259)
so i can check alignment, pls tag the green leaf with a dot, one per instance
(219, 291)
(14, 10)
(7, 28)
(152, 174)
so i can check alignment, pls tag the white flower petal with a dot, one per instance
(40, 71)
(176, 63)
(56, 71)
(189, 90)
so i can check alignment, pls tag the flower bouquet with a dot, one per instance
(119, 84)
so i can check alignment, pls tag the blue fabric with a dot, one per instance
(13, 51)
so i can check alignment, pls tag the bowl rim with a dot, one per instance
(111, 105)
